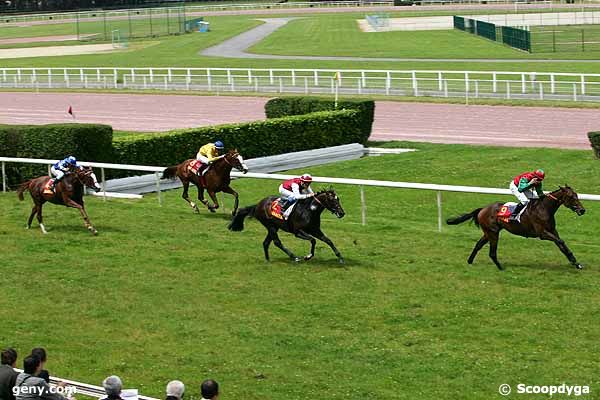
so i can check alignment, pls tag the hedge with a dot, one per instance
(595, 142)
(298, 105)
(56, 141)
(254, 139)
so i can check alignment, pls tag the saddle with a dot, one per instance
(276, 211)
(48, 187)
(506, 211)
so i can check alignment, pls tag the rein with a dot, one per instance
(553, 197)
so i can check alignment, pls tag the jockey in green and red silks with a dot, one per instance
(525, 187)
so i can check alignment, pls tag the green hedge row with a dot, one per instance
(254, 139)
(595, 142)
(55, 141)
(298, 105)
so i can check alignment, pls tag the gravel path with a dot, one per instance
(55, 51)
(436, 123)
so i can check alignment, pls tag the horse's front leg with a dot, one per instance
(321, 236)
(554, 237)
(70, 203)
(305, 236)
(229, 190)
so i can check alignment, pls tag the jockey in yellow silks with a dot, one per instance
(208, 154)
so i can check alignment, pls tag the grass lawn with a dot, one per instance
(330, 35)
(164, 294)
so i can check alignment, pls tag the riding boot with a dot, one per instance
(516, 211)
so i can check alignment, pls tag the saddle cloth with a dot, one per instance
(194, 166)
(276, 211)
(505, 211)
(48, 187)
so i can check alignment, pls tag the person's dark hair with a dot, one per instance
(9, 356)
(209, 389)
(30, 364)
(40, 353)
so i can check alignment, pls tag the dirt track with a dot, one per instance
(437, 123)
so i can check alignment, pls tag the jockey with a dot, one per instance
(295, 189)
(208, 154)
(62, 167)
(525, 187)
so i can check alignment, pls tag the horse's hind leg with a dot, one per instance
(34, 211)
(40, 219)
(482, 242)
(186, 197)
(266, 244)
(493, 238)
(275, 238)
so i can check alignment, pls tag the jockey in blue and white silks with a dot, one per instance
(60, 168)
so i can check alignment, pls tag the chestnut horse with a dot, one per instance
(304, 222)
(216, 179)
(536, 221)
(68, 192)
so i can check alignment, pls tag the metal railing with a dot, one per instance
(361, 183)
(392, 83)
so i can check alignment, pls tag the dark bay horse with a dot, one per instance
(304, 221)
(216, 179)
(537, 221)
(68, 192)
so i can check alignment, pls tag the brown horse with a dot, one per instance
(537, 221)
(68, 192)
(216, 179)
(304, 222)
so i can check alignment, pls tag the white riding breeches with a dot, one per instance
(202, 159)
(285, 194)
(525, 195)
(58, 173)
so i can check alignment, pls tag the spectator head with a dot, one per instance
(9, 357)
(32, 365)
(40, 353)
(209, 389)
(175, 389)
(113, 385)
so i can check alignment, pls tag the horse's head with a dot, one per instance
(329, 199)
(234, 159)
(87, 177)
(570, 199)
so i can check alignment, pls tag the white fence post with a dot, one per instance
(574, 92)
(439, 208)
(3, 176)
(583, 84)
(363, 206)
(157, 175)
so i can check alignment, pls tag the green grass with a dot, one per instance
(336, 33)
(165, 294)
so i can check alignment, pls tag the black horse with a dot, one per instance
(537, 221)
(304, 221)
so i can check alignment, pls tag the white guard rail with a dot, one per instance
(84, 388)
(417, 83)
(361, 183)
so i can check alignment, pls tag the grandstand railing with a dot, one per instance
(392, 83)
(361, 183)
(84, 388)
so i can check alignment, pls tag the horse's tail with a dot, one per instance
(465, 217)
(170, 172)
(23, 187)
(237, 223)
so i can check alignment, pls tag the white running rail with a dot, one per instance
(361, 183)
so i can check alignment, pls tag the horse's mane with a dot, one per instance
(325, 190)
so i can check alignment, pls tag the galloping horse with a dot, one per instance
(216, 179)
(68, 192)
(537, 221)
(304, 221)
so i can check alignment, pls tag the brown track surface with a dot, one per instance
(423, 122)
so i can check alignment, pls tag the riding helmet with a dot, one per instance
(219, 145)
(306, 178)
(539, 173)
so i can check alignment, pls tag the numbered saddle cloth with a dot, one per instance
(506, 210)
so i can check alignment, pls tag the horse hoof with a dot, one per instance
(212, 210)
(296, 259)
(308, 257)
(579, 266)
(341, 260)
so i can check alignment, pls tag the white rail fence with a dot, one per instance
(86, 389)
(361, 183)
(467, 84)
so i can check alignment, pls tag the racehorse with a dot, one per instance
(216, 179)
(68, 192)
(304, 221)
(536, 221)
